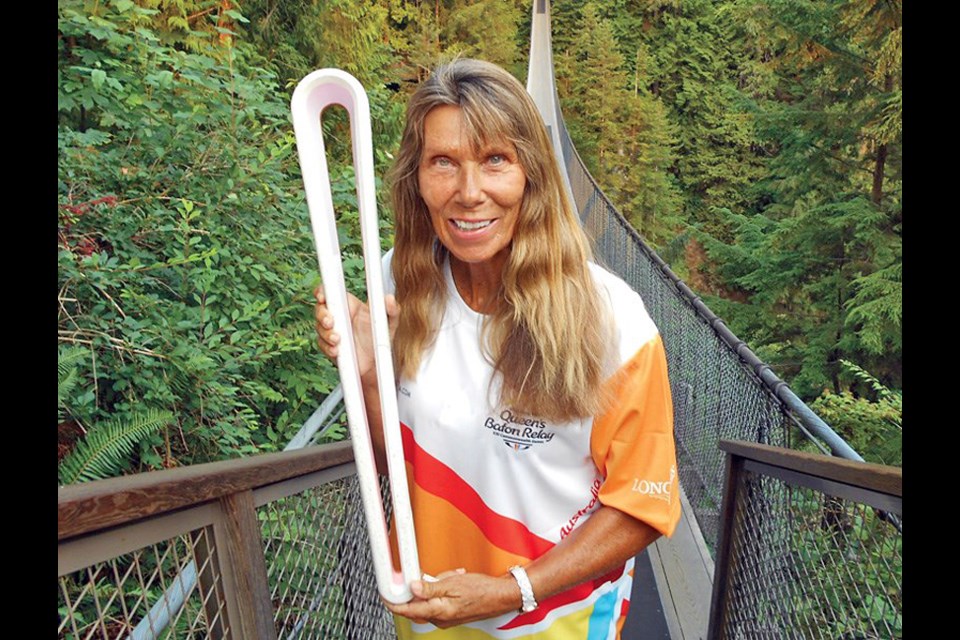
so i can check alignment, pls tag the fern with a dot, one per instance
(67, 375)
(107, 446)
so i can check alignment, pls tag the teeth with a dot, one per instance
(471, 226)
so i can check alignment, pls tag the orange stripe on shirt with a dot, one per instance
(436, 478)
(452, 540)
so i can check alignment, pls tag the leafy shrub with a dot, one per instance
(185, 262)
(871, 421)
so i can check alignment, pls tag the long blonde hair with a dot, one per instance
(548, 337)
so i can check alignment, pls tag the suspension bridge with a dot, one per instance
(773, 543)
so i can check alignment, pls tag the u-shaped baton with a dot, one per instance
(315, 93)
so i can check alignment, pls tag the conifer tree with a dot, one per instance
(620, 130)
(821, 251)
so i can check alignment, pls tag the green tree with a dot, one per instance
(485, 29)
(687, 55)
(821, 252)
(184, 262)
(620, 130)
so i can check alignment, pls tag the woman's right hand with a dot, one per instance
(329, 339)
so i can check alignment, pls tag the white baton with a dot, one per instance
(315, 92)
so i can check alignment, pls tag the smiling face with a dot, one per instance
(473, 195)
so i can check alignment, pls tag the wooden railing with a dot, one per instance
(810, 547)
(126, 544)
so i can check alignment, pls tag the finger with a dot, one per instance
(424, 590)
(417, 610)
(325, 331)
(321, 313)
(326, 338)
(328, 350)
(323, 317)
(447, 574)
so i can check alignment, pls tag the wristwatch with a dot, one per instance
(528, 602)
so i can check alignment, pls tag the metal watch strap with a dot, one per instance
(529, 603)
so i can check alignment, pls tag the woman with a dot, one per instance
(533, 393)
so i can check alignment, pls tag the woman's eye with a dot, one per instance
(442, 162)
(497, 159)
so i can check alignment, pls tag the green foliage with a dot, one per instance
(803, 270)
(67, 375)
(876, 309)
(814, 260)
(688, 56)
(107, 447)
(485, 29)
(863, 601)
(618, 127)
(185, 260)
(871, 420)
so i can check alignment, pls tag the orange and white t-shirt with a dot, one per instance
(491, 488)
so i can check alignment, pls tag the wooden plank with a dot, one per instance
(83, 551)
(240, 546)
(92, 506)
(663, 589)
(876, 499)
(683, 570)
(876, 477)
(645, 620)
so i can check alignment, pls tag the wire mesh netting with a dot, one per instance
(832, 568)
(320, 567)
(172, 589)
(714, 395)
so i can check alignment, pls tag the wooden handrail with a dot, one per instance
(856, 483)
(875, 477)
(93, 506)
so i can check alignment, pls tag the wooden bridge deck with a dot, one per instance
(672, 586)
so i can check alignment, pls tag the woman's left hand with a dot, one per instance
(458, 597)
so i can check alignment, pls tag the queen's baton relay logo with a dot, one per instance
(517, 432)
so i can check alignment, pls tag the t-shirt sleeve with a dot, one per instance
(632, 442)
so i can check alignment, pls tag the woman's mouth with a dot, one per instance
(471, 225)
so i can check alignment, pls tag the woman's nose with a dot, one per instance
(470, 188)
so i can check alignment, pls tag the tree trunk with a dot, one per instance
(876, 195)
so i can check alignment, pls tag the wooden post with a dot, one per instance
(207, 560)
(240, 546)
(724, 547)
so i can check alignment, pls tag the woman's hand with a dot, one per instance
(606, 540)
(329, 339)
(458, 597)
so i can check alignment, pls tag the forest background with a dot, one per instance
(756, 144)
